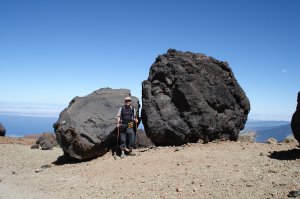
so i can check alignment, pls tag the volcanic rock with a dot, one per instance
(142, 140)
(87, 127)
(190, 96)
(47, 136)
(46, 141)
(2, 130)
(295, 123)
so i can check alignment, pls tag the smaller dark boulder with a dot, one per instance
(47, 141)
(2, 130)
(295, 123)
(142, 140)
(46, 145)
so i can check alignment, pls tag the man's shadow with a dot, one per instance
(292, 154)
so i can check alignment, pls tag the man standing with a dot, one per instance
(125, 119)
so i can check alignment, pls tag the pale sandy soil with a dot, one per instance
(214, 170)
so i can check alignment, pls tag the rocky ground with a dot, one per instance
(214, 170)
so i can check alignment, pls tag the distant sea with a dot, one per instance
(269, 129)
(18, 126)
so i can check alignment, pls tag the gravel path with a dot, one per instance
(214, 170)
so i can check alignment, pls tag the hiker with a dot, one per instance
(125, 121)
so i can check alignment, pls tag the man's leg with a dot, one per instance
(122, 143)
(131, 137)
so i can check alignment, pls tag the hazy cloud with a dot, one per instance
(269, 117)
(30, 109)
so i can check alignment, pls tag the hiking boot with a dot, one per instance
(123, 155)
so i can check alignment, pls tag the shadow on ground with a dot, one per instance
(62, 160)
(292, 154)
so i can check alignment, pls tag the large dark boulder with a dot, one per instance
(190, 96)
(86, 128)
(2, 130)
(295, 123)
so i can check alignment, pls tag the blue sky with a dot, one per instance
(53, 50)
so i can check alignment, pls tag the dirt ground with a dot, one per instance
(214, 170)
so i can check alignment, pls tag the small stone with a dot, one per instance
(38, 170)
(200, 141)
(178, 189)
(261, 154)
(176, 149)
(272, 141)
(294, 194)
(282, 184)
(46, 166)
(13, 172)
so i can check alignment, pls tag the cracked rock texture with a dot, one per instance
(190, 96)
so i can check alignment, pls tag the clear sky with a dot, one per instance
(53, 50)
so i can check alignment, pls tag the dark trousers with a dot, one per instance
(127, 138)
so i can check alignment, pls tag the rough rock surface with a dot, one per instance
(47, 136)
(142, 140)
(86, 128)
(2, 130)
(46, 145)
(46, 140)
(295, 123)
(190, 96)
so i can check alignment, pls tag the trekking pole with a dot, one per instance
(118, 132)
(137, 138)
